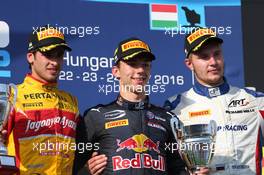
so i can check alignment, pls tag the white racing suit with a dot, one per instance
(239, 116)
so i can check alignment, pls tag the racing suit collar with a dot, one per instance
(29, 79)
(211, 92)
(133, 105)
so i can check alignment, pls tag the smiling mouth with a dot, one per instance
(52, 70)
(214, 71)
(139, 79)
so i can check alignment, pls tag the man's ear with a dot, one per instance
(30, 58)
(188, 63)
(116, 72)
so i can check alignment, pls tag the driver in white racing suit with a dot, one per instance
(238, 112)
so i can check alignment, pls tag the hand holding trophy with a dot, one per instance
(195, 142)
(7, 163)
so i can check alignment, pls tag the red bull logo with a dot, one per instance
(148, 162)
(138, 143)
(150, 145)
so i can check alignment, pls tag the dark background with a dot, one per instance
(253, 42)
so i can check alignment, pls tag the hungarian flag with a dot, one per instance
(163, 15)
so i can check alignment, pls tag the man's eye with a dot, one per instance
(133, 64)
(147, 65)
(204, 57)
(217, 53)
(53, 55)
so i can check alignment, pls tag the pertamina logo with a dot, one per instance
(138, 143)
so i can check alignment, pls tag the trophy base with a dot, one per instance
(7, 165)
(7, 170)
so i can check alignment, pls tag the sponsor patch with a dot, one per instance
(156, 125)
(134, 45)
(232, 128)
(44, 95)
(35, 104)
(240, 111)
(237, 103)
(139, 161)
(200, 33)
(213, 92)
(96, 109)
(114, 114)
(51, 122)
(139, 143)
(200, 113)
(116, 123)
(49, 33)
(151, 116)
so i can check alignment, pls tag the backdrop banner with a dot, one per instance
(94, 28)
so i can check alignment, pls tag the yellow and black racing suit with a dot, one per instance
(41, 129)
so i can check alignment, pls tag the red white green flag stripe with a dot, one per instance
(163, 15)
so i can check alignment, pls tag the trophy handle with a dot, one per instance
(13, 86)
(213, 127)
(175, 126)
(10, 104)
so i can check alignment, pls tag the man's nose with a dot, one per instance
(141, 68)
(54, 61)
(212, 60)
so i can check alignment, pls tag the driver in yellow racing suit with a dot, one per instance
(42, 125)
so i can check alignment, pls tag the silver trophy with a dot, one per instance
(7, 163)
(196, 143)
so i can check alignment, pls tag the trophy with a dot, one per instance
(196, 143)
(7, 163)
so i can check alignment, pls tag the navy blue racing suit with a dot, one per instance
(136, 138)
